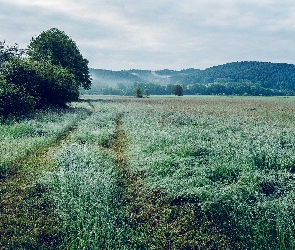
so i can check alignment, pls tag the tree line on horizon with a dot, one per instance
(242, 88)
(237, 78)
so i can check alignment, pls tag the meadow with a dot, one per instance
(151, 173)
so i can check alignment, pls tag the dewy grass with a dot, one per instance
(27, 218)
(27, 135)
(199, 173)
(85, 186)
(85, 192)
(233, 157)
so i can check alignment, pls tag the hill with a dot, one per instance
(269, 75)
(250, 77)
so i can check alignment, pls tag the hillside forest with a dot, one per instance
(236, 78)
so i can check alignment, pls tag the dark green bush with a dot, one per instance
(50, 74)
(14, 100)
(45, 83)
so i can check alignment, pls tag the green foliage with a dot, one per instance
(57, 85)
(216, 88)
(178, 90)
(44, 82)
(14, 100)
(50, 75)
(7, 52)
(279, 76)
(55, 46)
(138, 92)
(237, 78)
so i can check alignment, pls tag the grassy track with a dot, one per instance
(26, 213)
(86, 184)
(27, 217)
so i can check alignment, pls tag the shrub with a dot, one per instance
(138, 92)
(14, 99)
(178, 90)
(44, 82)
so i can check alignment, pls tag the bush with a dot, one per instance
(138, 92)
(51, 73)
(178, 90)
(14, 100)
(57, 85)
(44, 82)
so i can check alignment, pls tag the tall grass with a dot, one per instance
(27, 218)
(200, 173)
(22, 136)
(85, 186)
(233, 157)
(85, 193)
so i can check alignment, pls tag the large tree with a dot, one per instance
(8, 52)
(55, 46)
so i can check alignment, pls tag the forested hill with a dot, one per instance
(270, 75)
(261, 76)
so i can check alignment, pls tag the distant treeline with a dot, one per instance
(232, 88)
(268, 75)
(236, 78)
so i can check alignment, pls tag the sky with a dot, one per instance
(159, 34)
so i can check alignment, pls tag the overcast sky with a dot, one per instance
(159, 34)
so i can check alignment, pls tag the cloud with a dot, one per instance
(117, 34)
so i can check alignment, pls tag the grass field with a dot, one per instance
(153, 173)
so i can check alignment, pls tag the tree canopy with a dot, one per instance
(14, 99)
(51, 72)
(8, 52)
(178, 90)
(138, 92)
(55, 46)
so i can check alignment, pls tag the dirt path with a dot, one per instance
(26, 215)
(155, 222)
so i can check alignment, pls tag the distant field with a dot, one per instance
(192, 172)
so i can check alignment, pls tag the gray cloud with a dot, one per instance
(115, 34)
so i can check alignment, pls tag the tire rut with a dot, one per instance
(26, 213)
(153, 220)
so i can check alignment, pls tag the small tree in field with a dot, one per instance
(138, 92)
(178, 90)
(146, 92)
